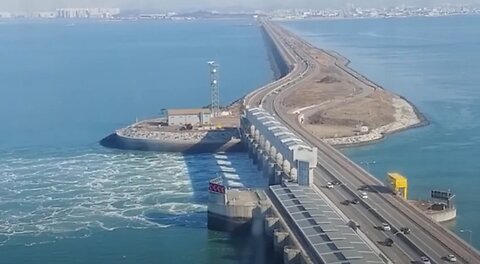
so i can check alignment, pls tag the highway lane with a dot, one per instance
(354, 177)
(400, 252)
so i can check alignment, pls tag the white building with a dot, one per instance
(195, 116)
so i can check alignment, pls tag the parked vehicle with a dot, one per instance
(329, 185)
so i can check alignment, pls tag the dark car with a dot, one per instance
(388, 242)
(337, 182)
(405, 230)
(355, 201)
(346, 202)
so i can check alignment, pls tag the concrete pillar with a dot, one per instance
(260, 159)
(267, 147)
(256, 135)
(249, 148)
(255, 153)
(268, 169)
(291, 255)
(279, 159)
(277, 175)
(271, 223)
(294, 175)
(280, 240)
(286, 167)
(273, 152)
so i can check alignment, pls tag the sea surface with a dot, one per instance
(434, 63)
(64, 85)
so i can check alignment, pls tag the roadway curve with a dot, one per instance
(427, 238)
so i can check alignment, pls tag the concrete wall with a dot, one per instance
(443, 216)
(116, 141)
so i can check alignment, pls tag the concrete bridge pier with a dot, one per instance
(291, 255)
(265, 163)
(260, 158)
(276, 177)
(250, 148)
(269, 169)
(255, 153)
(271, 223)
(280, 240)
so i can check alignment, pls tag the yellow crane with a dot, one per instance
(398, 183)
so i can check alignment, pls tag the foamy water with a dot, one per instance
(55, 194)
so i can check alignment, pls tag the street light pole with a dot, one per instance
(470, 233)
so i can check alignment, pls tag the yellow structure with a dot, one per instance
(398, 183)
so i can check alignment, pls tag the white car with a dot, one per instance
(451, 258)
(364, 195)
(386, 227)
(329, 185)
(426, 260)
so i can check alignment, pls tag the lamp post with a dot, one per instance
(470, 233)
(368, 164)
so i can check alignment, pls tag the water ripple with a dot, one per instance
(58, 195)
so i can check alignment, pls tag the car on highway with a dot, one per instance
(451, 258)
(354, 225)
(388, 242)
(364, 195)
(336, 182)
(425, 260)
(386, 227)
(355, 201)
(329, 185)
(405, 230)
(346, 202)
(363, 188)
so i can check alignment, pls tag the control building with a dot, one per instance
(194, 116)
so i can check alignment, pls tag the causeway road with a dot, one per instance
(427, 238)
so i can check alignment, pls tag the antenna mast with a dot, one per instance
(214, 89)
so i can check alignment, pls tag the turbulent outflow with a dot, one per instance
(72, 193)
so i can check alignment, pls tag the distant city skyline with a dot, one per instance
(28, 5)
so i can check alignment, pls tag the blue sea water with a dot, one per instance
(63, 87)
(434, 63)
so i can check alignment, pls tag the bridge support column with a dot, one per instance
(250, 148)
(291, 255)
(280, 240)
(269, 169)
(265, 162)
(276, 177)
(255, 153)
(259, 158)
(270, 224)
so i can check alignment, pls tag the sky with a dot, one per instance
(43, 5)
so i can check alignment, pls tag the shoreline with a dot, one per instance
(343, 63)
(380, 133)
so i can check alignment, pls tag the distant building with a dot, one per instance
(196, 116)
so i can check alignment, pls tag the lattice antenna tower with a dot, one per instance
(214, 89)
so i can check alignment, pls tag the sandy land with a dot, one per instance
(337, 102)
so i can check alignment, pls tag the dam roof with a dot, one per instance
(332, 240)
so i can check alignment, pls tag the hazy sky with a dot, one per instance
(30, 5)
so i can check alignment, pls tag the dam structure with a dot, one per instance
(308, 220)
